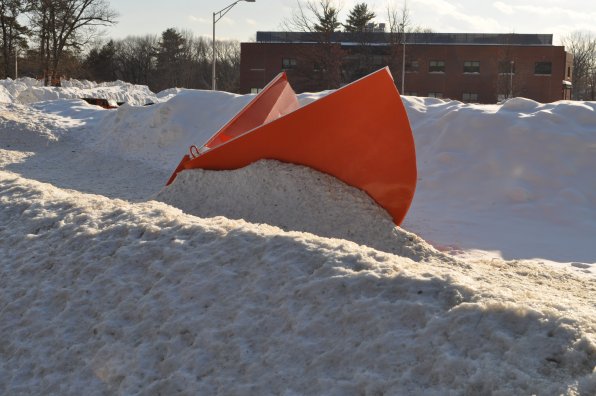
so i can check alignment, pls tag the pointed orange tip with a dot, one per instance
(359, 134)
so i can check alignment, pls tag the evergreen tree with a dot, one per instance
(101, 62)
(358, 18)
(327, 18)
(12, 33)
(170, 57)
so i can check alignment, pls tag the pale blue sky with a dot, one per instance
(559, 17)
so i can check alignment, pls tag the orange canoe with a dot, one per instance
(359, 134)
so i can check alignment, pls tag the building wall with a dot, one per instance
(260, 62)
(491, 82)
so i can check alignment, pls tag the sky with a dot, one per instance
(465, 16)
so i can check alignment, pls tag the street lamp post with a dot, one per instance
(511, 65)
(216, 17)
(403, 60)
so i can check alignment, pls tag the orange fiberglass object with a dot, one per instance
(359, 134)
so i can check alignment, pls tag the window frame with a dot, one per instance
(288, 63)
(412, 66)
(505, 68)
(543, 63)
(471, 67)
(438, 64)
(472, 97)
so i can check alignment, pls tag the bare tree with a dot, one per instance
(64, 24)
(399, 22)
(582, 45)
(320, 65)
(135, 59)
(228, 65)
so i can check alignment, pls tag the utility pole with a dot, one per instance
(511, 64)
(16, 63)
(216, 17)
(403, 62)
(404, 20)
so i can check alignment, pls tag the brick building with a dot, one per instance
(482, 68)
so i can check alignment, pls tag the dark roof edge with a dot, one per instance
(411, 38)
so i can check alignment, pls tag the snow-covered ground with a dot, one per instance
(276, 279)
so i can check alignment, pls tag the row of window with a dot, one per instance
(438, 66)
(473, 67)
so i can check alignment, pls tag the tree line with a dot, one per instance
(582, 45)
(174, 59)
(50, 39)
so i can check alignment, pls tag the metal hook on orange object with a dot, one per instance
(194, 151)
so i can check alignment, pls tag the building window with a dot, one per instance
(543, 68)
(435, 94)
(472, 67)
(288, 63)
(255, 90)
(412, 66)
(469, 97)
(506, 67)
(568, 71)
(410, 93)
(436, 66)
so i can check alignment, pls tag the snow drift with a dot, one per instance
(106, 296)
(103, 290)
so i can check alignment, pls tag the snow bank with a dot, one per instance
(294, 198)
(161, 134)
(30, 91)
(138, 96)
(485, 170)
(10, 89)
(102, 296)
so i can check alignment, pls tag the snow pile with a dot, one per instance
(137, 95)
(294, 198)
(30, 126)
(100, 295)
(11, 89)
(103, 296)
(161, 134)
(486, 169)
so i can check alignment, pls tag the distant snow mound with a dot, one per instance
(169, 93)
(119, 91)
(13, 88)
(520, 104)
(294, 198)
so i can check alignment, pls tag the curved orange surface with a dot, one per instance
(359, 134)
(275, 100)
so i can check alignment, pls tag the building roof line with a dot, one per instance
(410, 38)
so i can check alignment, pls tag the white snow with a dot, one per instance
(276, 279)
(516, 179)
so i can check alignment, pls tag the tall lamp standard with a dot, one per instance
(216, 17)
(511, 71)
(403, 61)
